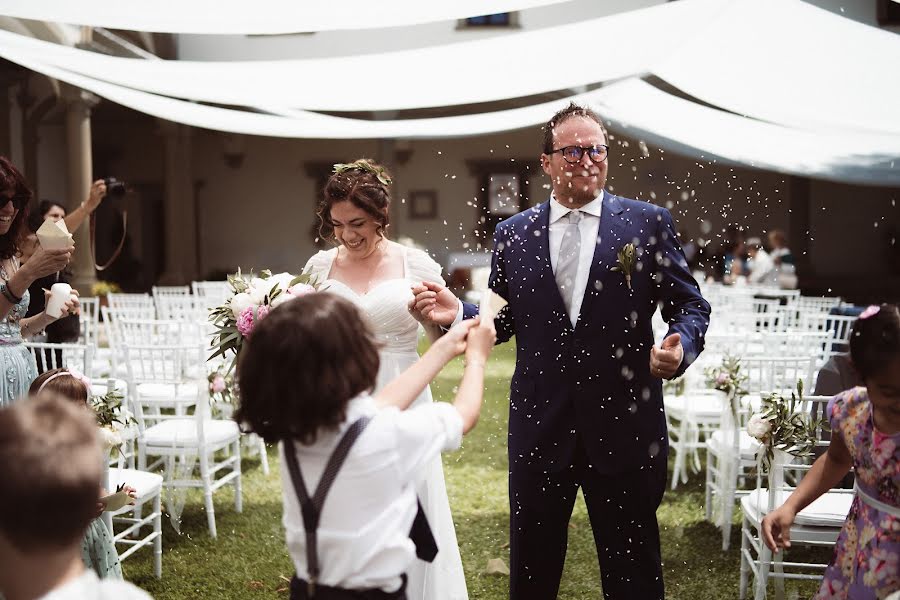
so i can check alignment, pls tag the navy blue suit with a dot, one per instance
(584, 409)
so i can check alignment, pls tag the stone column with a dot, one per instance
(80, 177)
(179, 218)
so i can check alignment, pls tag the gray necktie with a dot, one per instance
(567, 262)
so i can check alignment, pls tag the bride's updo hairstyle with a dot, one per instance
(301, 366)
(363, 182)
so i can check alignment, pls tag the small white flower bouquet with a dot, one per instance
(781, 426)
(252, 299)
(108, 411)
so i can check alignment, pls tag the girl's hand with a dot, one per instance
(132, 493)
(776, 528)
(453, 343)
(480, 341)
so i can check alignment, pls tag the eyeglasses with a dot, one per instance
(573, 154)
(19, 201)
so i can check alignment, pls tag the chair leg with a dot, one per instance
(157, 543)
(263, 456)
(762, 573)
(679, 453)
(207, 492)
(728, 512)
(710, 457)
(238, 490)
(745, 565)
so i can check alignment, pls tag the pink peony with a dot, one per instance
(245, 322)
(218, 385)
(722, 378)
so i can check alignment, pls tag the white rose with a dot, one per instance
(282, 279)
(258, 290)
(281, 299)
(109, 438)
(758, 427)
(239, 302)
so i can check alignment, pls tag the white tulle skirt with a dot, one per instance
(442, 579)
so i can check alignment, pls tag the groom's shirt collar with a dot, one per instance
(558, 211)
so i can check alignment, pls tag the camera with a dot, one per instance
(114, 187)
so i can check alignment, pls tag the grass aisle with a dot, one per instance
(249, 559)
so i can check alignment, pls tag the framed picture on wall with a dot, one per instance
(423, 204)
(503, 194)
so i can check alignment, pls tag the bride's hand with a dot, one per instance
(433, 303)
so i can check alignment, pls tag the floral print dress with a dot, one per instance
(17, 366)
(866, 562)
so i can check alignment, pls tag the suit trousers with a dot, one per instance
(622, 511)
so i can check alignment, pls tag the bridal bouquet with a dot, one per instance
(251, 300)
(783, 427)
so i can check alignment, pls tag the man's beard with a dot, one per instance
(579, 193)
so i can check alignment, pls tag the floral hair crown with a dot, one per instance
(366, 166)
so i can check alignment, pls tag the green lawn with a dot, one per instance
(248, 560)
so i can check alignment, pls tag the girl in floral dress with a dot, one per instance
(865, 423)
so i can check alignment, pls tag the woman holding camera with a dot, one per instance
(17, 365)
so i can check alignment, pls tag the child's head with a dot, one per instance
(50, 471)
(301, 366)
(875, 352)
(61, 383)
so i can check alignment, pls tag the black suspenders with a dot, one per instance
(312, 507)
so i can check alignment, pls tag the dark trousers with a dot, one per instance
(299, 591)
(622, 511)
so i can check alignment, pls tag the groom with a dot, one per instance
(586, 396)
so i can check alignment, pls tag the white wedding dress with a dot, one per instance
(398, 332)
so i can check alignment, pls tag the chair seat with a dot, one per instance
(183, 432)
(820, 521)
(701, 405)
(146, 484)
(163, 391)
(719, 442)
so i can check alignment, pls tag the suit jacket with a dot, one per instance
(592, 381)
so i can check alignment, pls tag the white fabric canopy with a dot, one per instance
(792, 63)
(632, 106)
(475, 71)
(644, 112)
(266, 17)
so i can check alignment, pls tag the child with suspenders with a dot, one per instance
(349, 460)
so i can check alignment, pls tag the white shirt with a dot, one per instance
(762, 268)
(364, 528)
(589, 227)
(89, 587)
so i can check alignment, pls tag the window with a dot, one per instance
(502, 192)
(498, 20)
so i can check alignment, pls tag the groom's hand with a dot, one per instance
(433, 303)
(666, 358)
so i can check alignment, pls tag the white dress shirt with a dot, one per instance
(368, 513)
(589, 227)
(89, 587)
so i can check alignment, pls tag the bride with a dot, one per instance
(377, 274)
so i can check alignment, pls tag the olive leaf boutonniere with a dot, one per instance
(627, 257)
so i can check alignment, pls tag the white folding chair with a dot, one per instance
(50, 356)
(839, 328)
(169, 435)
(171, 290)
(819, 524)
(148, 488)
(731, 454)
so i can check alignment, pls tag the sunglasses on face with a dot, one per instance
(19, 201)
